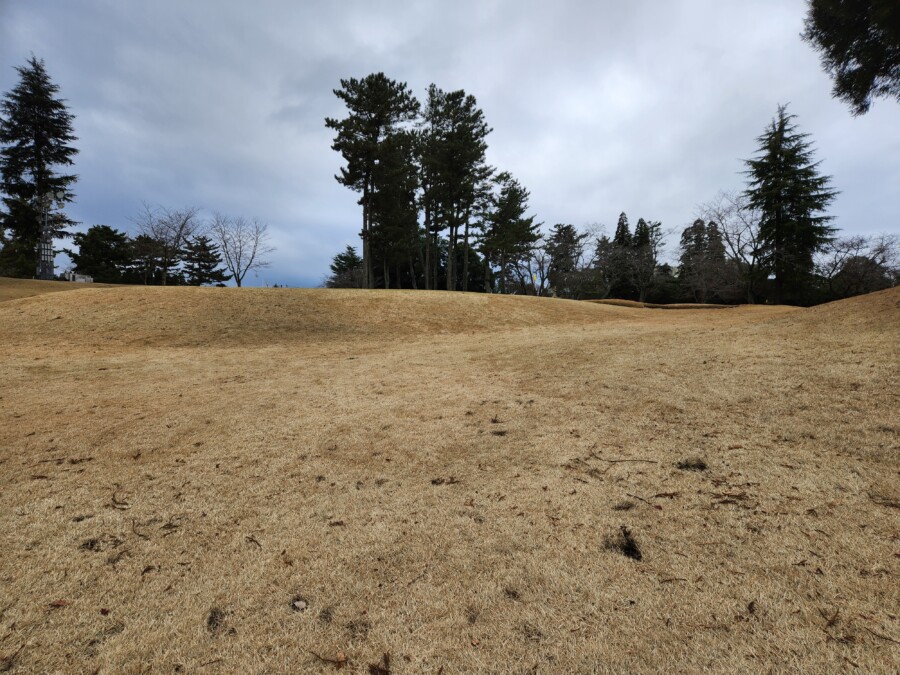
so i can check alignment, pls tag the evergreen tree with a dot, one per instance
(378, 107)
(619, 260)
(36, 134)
(859, 42)
(202, 263)
(103, 253)
(146, 261)
(791, 196)
(565, 246)
(511, 235)
(454, 172)
(703, 268)
(394, 211)
(602, 274)
(644, 253)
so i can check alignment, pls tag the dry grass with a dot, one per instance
(218, 480)
(13, 289)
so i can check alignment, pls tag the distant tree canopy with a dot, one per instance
(111, 256)
(103, 253)
(859, 42)
(436, 215)
(346, 270)
(36, 136)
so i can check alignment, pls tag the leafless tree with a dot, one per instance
(860, 264)
(170, 229)
(244, 244)
(739, 226)
(533, 270)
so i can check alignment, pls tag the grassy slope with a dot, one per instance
(436, 476)
(14, 289)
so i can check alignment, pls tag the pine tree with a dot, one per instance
(644, 252)
(565, 246)
(511, 235)
(393, 210)
(859, 42)
(378, 107)
(785, 185)
(619, 260)
(703, 268)
(202, 263)
(103, 253)
(454, 172)
(36, 134)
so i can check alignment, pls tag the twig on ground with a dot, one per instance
(134, 529)
(640, 498)
(338, 662)
(883, 637)
(594, 455)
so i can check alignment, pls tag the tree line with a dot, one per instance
(435, 215)
(172, 246)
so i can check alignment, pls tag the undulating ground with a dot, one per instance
(274, 480)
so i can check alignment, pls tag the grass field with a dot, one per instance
(273, 480)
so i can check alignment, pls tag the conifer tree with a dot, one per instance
(202, 263)
(565, 246)
(36, 135)
(454, 172)
(859, 43)
(103, 253)
(378, 107)
(511, 235)
(785, 185)
(619, 260)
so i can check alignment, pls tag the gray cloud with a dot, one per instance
(645, 107)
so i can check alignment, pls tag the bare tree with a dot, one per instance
(739, 226)
(860, 264)
(533, 270)
(170, 229)
(243, 243)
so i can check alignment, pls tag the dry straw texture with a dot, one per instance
(270, 480)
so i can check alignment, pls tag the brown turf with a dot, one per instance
(274, 480)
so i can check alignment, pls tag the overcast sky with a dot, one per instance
(598, 107)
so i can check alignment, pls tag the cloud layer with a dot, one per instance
(597, 107)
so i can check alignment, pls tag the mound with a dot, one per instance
(14, 289)
(233, 317)
(879, 312)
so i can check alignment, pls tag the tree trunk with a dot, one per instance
(368, 269)
(487, 274)
(451, 262)
(466, 254)
(412, 273)
(427, 265)
(387, 273)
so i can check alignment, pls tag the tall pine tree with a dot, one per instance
(510, 235)
(785, 185)
(454, 171)
(619, 260)
(378, 107)
(36, 135)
